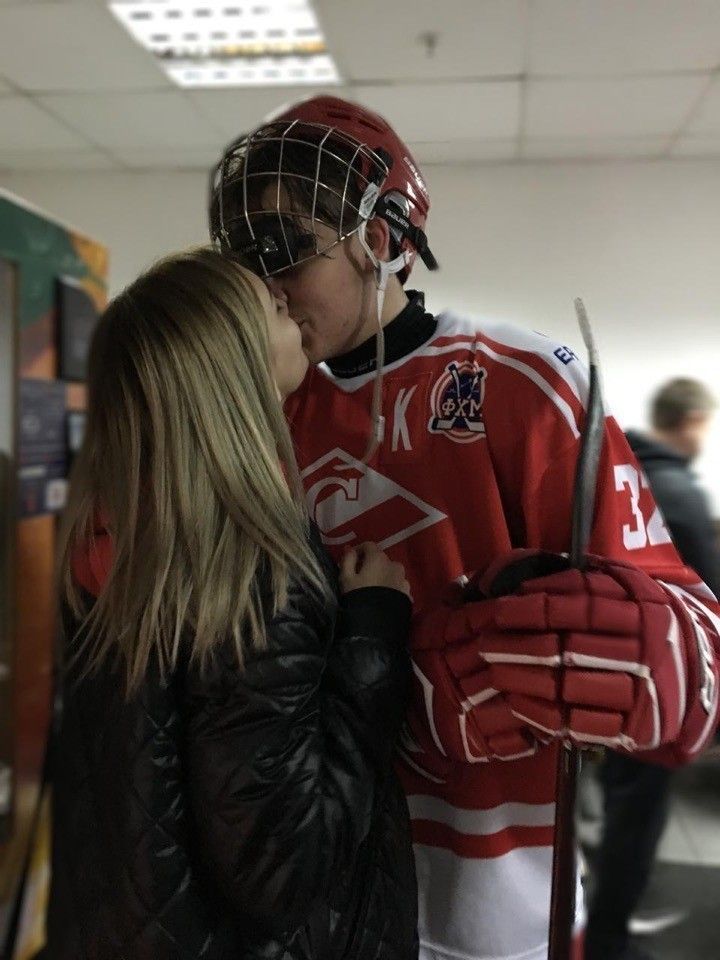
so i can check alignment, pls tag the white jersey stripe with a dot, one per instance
(518, 338)
(533, 375)
(702, 590)
(683, 594)
(481, 822)
(512, 337)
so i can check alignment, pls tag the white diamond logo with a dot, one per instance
(350, 502)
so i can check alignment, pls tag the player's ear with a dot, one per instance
(378, 237)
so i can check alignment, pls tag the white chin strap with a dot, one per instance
(383, 270)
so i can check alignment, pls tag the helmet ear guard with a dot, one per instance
(390, 209)
(393, 207)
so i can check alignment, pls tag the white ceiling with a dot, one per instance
(508, 80)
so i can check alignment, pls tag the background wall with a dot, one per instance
(637, 240)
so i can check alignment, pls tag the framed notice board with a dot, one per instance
(76, 319)
(42, 447)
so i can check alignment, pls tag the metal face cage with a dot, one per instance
(290, 191)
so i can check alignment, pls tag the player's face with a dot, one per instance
(330, 296)
(287, 358)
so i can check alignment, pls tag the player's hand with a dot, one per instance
(369, 566)
(595, 657)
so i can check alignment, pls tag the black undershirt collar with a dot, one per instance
(409, 330)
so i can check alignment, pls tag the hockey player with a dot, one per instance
(473, 432)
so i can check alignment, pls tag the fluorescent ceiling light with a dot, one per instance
(229, 43)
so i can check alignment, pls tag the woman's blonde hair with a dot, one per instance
(188, 456)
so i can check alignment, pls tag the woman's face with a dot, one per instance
(289, 363)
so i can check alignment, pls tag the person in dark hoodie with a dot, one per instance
(222, 778)
(681, 412)
(636, 795)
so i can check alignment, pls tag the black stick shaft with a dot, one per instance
(564, 873)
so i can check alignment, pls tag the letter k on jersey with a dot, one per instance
(350, 502)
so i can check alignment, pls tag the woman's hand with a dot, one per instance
(369, 566)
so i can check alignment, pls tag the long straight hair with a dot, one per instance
(188, 458)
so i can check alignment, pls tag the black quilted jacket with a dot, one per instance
(244, 814)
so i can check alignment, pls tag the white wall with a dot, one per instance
(640, 242)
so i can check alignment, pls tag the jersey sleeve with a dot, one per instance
(628, 526)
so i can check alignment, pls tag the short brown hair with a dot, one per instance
(676, 400)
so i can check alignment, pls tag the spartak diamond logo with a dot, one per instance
(351, 503)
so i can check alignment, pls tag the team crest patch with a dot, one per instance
(456, 402)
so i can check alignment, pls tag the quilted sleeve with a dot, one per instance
(286, 757)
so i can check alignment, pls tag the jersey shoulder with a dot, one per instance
(502, 344)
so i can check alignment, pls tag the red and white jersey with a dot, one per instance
(479, 454)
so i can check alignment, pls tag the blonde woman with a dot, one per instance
(223, 776)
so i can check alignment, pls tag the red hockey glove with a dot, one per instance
(456, 719)
(459, 719)
(607, 656)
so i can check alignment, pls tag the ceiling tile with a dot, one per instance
(25, 126)
(377, 40)
(72, 46)
(429, 113)
(463, 151)
(707, 119)
(182, 158)
(233, 112)
(594, 148)
(609, 108)
(582, 37)
(22, 160)
(697, 147)
(142, 120)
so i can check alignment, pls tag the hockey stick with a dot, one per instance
(564, 876)
(540, 564)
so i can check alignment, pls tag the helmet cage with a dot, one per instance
(273, 187)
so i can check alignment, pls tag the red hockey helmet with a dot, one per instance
(363, 151)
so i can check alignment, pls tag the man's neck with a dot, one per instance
(404, 333)
(673, 441)
(394, 303)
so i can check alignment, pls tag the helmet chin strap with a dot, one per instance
(383, 270)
